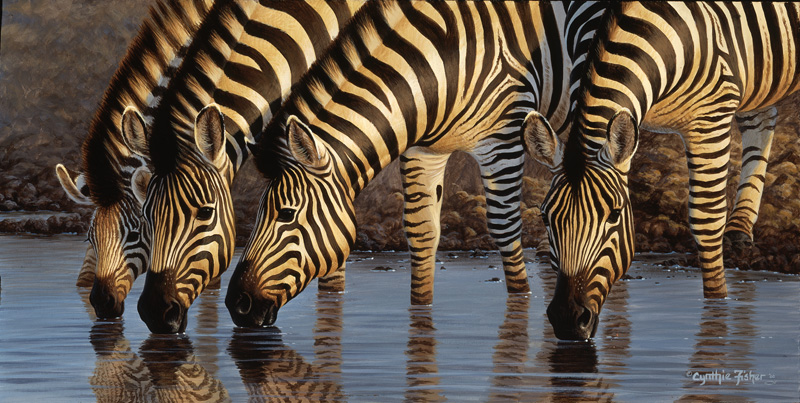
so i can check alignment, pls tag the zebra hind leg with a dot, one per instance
(423, 173)
(757, 130)
(501, 163)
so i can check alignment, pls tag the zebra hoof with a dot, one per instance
(737, 242)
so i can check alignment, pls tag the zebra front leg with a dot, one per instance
(333, 282)
(708, 177)
(423, 173)
(87, 273)
(757, 131)
(501, 164)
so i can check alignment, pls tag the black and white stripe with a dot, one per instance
(111, 173)
(248, 55)
(415, 81)
(689, 68)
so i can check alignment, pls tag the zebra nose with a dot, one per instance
(572, 321)
(173, 315)
(158, 307)
(105, 302)
(585, 322)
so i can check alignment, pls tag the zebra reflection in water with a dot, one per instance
(422, 370)
(270, 369)
(119, 374)
(723, 343)
(558, 371)
(164, 370)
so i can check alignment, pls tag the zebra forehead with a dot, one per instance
(113, 220)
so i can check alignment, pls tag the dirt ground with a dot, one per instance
(56, 60)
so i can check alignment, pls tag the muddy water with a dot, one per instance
(657, 341)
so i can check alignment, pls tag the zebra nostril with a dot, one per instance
(173, 315)
(585, 319)
(244, 304)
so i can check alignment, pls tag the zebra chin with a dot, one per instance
(160, 311)
(248, 309)
(569, 314)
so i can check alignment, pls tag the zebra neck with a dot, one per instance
(377, 92)
(248, 62)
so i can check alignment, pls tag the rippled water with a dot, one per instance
(658, 339)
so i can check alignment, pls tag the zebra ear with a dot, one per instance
(139, 181)
(540, 140)
(133, 131)
(209, 134)
(623, 139)
(303, 144)
(76, 188)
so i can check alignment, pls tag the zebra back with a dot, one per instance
(246, 62)
(139, 81)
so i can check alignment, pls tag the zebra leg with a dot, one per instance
(333, 282)
(757, 130)
(501, 163)
(423, 173)
(87, 273)
(708, 177)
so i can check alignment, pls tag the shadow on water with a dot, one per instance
(271, 370)
(422, 371)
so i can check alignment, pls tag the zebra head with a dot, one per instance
(189, 214)
(121, 246)
(588, 218)
(304, 229)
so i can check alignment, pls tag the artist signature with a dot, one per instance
(736, 376)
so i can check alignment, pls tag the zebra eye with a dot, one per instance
(613, 216)
(286, 214)
(133, 236)
(205, 213)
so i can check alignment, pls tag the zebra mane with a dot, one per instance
(271, 150)
(173, 120)
(574, 154)
(136, 82)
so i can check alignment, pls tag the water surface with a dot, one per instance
(658, 340)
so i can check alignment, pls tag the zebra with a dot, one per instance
(244, 63)
(689, 68)
(113, 179)
(411, 81)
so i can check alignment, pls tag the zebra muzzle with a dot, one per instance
(103, 299)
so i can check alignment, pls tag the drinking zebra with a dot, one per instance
(114, 179)
(244, 61)
(415, 81)
(689, 68)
